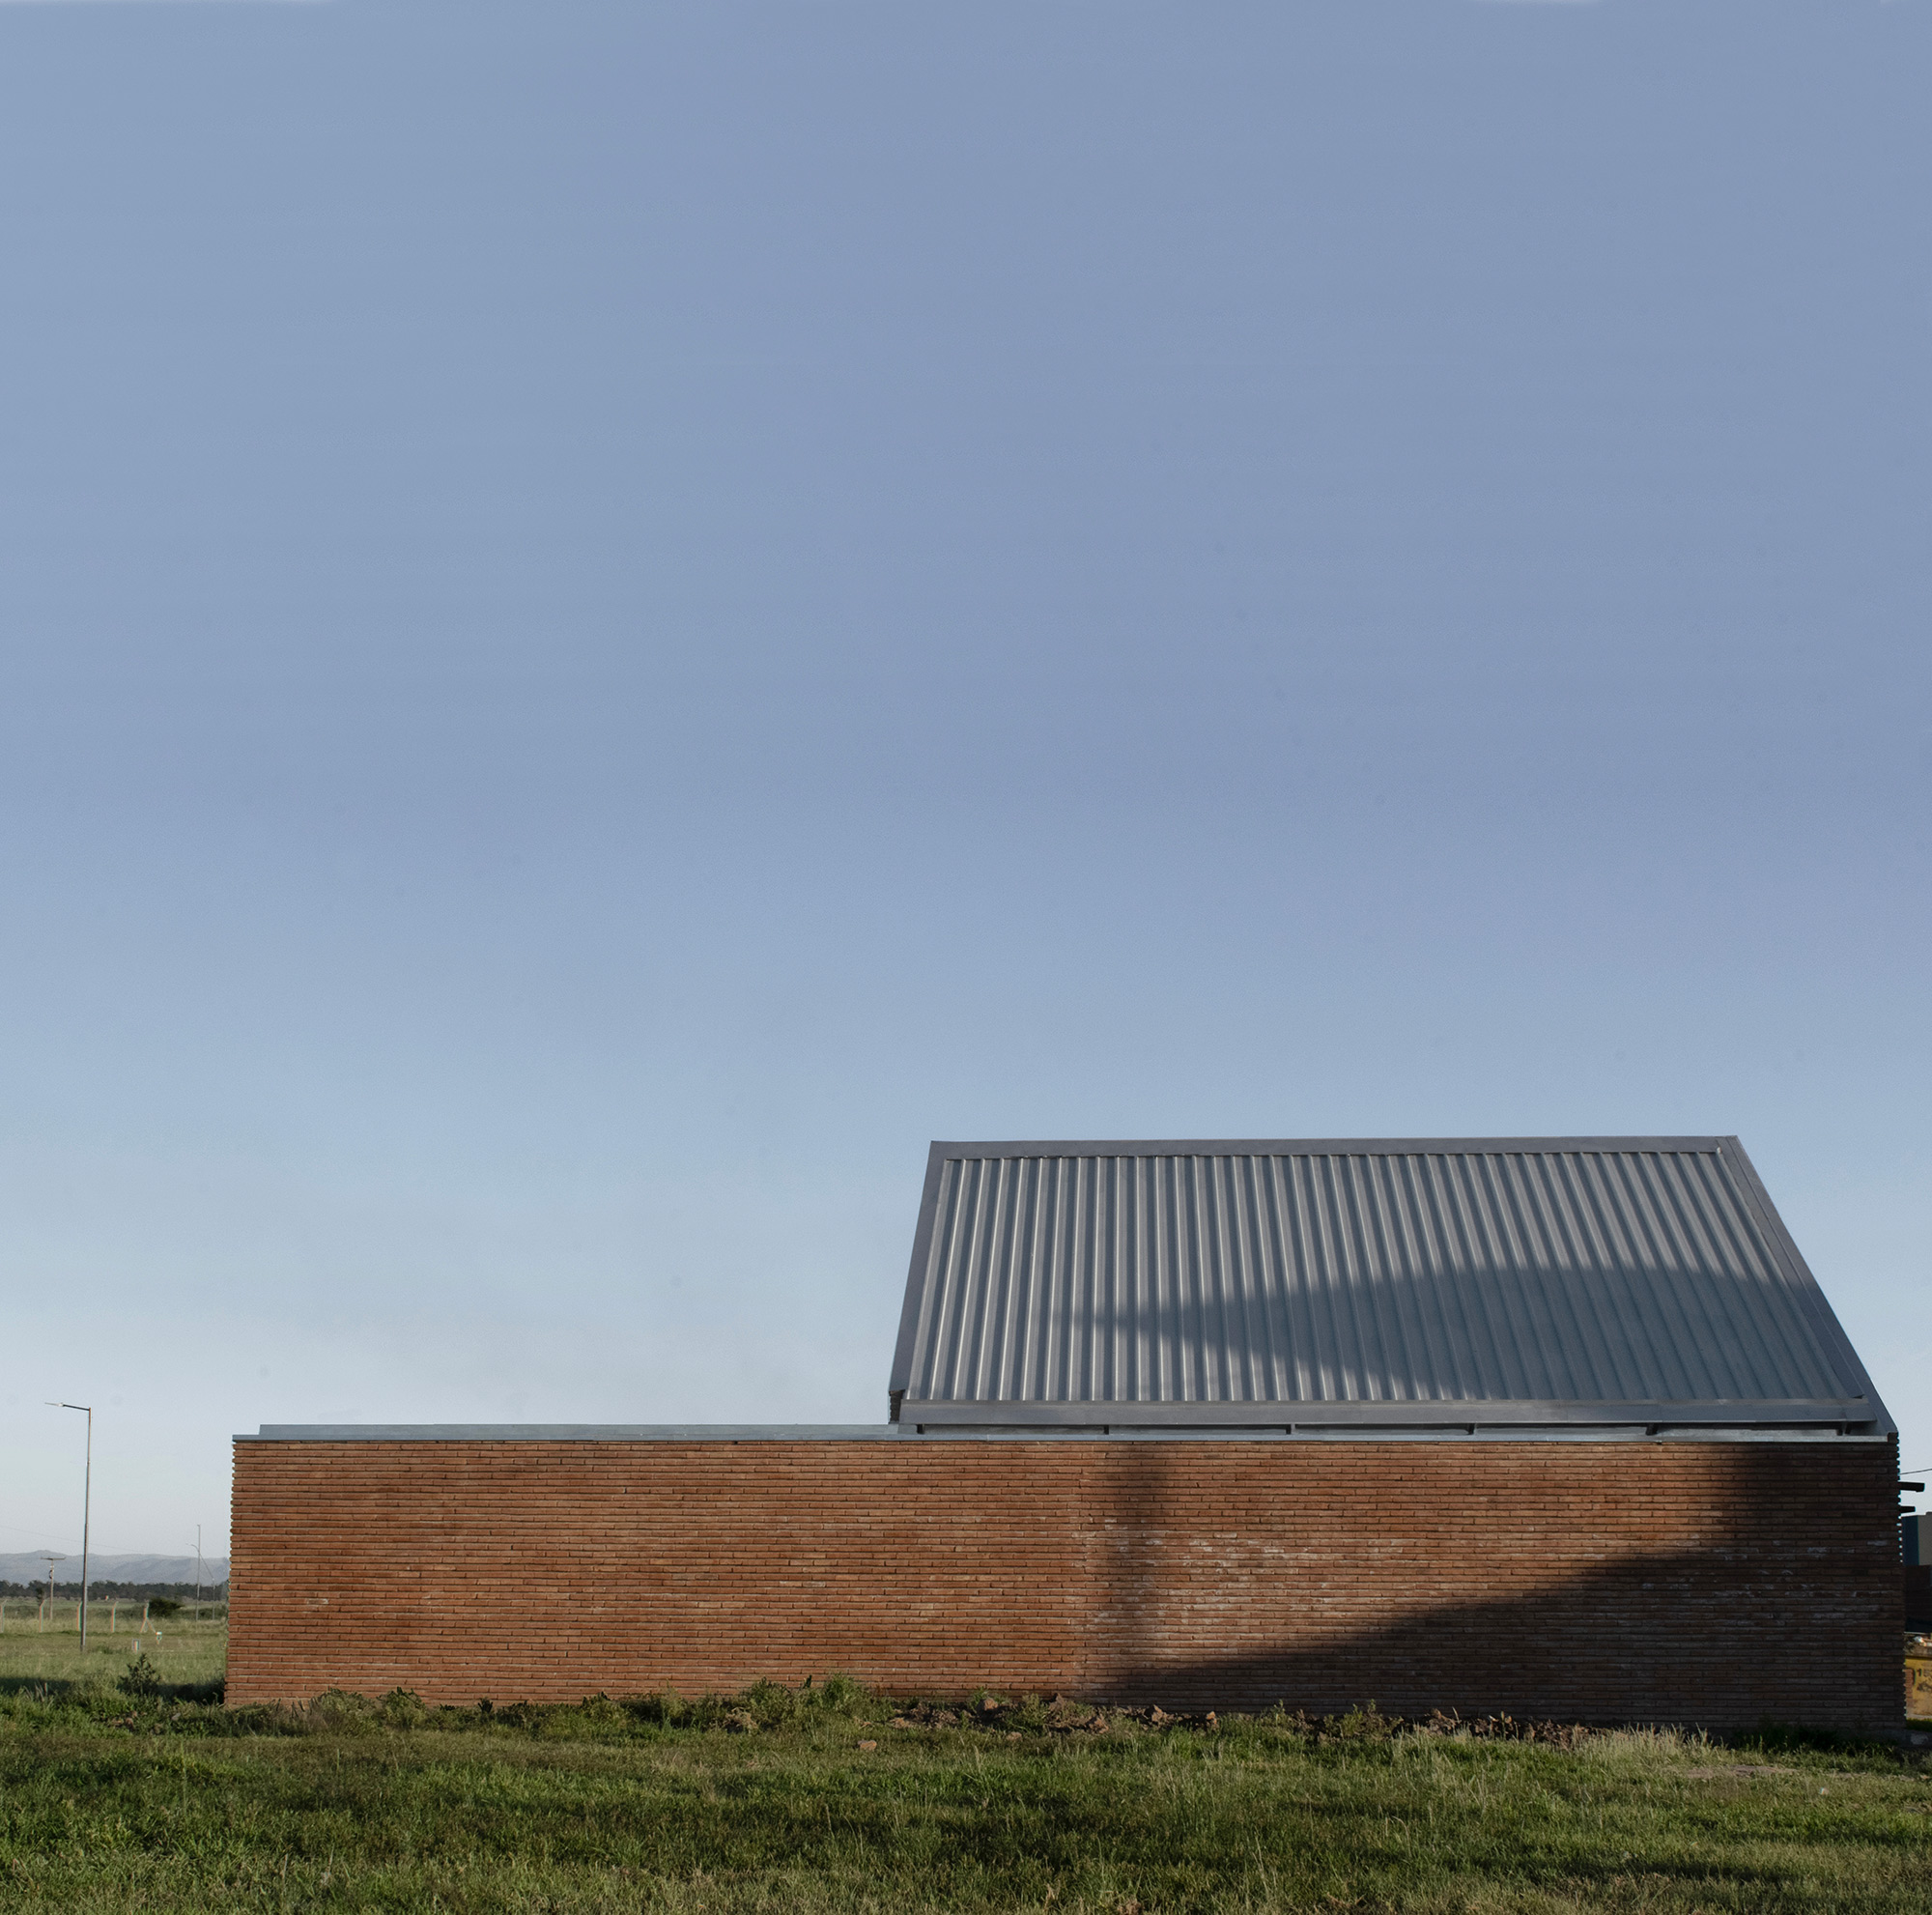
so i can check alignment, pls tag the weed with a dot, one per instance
(403, 1708)
(1364, 1723)
(1030, 1717)
(141, 1677)
(344, 1712)
(599, 1711)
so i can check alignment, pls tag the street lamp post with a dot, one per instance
(86, 1510)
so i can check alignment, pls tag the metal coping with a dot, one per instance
(1092, 1430)
(1435, 1412)
(1320, 1146)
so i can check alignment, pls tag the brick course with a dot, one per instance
(1709, 1583)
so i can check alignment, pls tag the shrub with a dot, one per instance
(403, 1708)
(141, 1677)
(839, 1695)
(773, 1705)
(662, 1710)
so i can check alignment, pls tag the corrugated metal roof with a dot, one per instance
(1392, 1282)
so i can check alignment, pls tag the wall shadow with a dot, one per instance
(1656, 1639)
(1716, 1583)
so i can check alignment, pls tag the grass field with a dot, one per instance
(818, 1801)
(181, 1651)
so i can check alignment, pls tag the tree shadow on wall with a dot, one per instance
(1680, 1638)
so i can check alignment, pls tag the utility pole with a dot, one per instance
(86, 1508)
(49, 1557)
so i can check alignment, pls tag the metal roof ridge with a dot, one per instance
(1317, 1146)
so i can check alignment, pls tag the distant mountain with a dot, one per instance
(31, 1568)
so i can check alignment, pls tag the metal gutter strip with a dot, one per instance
(1431, 1415)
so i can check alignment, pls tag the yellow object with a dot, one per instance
(1919, 1686)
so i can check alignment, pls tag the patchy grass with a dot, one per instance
(182, 1653)
(828, 1798)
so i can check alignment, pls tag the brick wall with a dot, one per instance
(1707, 1582)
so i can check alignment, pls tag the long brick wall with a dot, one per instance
(1709, 1583)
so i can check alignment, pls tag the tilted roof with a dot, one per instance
(1396, 1283)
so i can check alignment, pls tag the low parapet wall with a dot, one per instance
(1697, 1581)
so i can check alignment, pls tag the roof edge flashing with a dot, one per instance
(1785, 1413)
(731, 1434)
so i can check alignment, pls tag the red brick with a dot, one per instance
(1705, 1583)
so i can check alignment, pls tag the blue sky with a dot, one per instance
(612, 616)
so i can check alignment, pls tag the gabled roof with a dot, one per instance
(1381, 1283)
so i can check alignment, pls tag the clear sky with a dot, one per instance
(613, 615)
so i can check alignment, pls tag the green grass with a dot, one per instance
(773, 1801)
(186, 1652)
